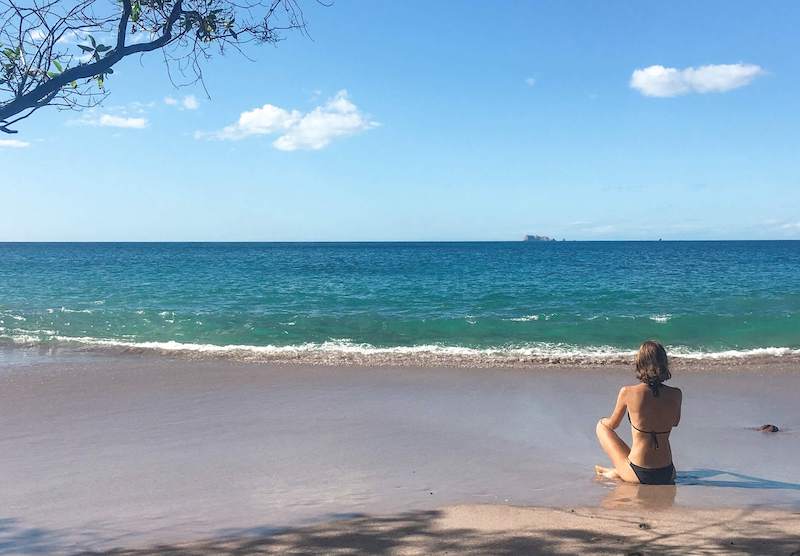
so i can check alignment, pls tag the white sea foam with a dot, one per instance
(66, 310)
(683, 353)
(526, 318)
(661, 318)
(345, 351)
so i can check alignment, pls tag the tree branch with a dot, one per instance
(84, 71)
(39, 50)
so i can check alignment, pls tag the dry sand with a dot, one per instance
(126, 452)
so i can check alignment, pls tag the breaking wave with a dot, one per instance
(344, 351)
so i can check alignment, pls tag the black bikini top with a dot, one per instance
(653, 434)
(655, 389)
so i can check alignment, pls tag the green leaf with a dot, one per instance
(136, 11)
(58, 65)
(91, 39)
(102, 48)
(86, 48)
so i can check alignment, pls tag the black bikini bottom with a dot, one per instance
(659, 476)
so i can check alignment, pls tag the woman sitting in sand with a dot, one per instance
(653, 409)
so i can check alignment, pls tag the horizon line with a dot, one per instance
(376, 241)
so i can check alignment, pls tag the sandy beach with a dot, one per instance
(124, 453)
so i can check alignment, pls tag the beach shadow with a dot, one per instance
(717, 478)
(421, 532)
(18, 539)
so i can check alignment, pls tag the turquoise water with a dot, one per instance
(532, 301)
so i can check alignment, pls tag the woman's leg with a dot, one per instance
(617, 451)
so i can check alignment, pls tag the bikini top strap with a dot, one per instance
(653, 434)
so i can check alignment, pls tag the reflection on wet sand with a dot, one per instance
(630, 496)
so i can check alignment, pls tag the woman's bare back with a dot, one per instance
(652, 418)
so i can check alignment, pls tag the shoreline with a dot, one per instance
(757, 359)
(106, 451)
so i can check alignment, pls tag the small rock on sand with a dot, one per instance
(768, 428)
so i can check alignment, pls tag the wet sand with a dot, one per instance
(103, 452)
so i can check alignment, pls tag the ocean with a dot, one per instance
(405, 303)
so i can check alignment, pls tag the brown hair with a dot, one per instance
(652, 366)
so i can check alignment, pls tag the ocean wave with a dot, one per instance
(345, 351)
(660, 318)
(526, 318)
(14, 317)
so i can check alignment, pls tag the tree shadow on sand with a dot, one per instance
(421, 533)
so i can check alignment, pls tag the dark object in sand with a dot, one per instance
(768, 428)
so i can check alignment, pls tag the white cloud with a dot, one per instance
(107, 120)
(111, 120)
(314, 130)
(660, 81)
(13, 144)
(530, 81)
(37, 35)
(189, 102)
(140, 37)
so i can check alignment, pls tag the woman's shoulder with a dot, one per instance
(643, 388)
(672, 389)
(673, 393)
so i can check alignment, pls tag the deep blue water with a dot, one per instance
(527, 299)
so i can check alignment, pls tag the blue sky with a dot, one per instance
(439, 121)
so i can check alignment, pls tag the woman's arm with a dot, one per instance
(615, 419)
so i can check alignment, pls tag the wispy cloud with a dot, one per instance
(133, 115)
(660, 81)
(530, 81)
(111, 120)
(313, 130)
(791, 226)
(13, 144)
(108, 120)
(71, 37)
(37, 35)
(189, 102)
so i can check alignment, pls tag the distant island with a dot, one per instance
(538, 238)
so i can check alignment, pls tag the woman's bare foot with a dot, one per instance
(607, 472)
